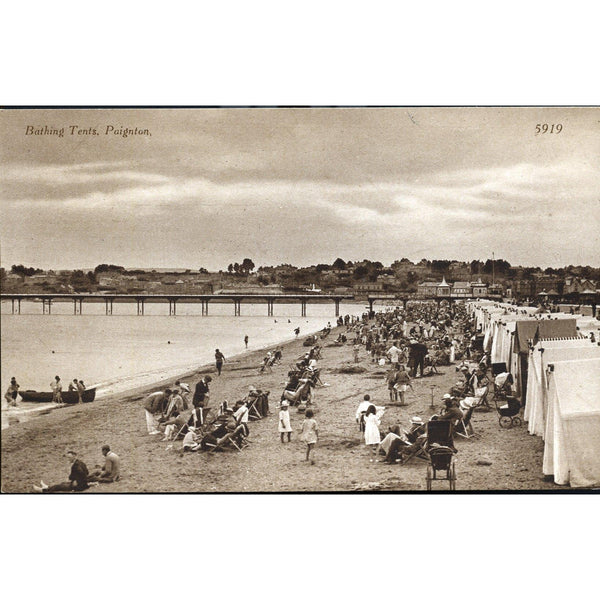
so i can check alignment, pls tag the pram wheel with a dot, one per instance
(506, 422)
(452, 477)
(429, 477)
(517, 421)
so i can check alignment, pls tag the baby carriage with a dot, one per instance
(440, 449)
(508, 412)
(507, 405)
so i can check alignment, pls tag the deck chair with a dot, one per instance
(232, 439)
(199, 422)
(464, 428)
(253, 412)
(440, 450)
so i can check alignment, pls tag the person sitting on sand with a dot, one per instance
(77, 478)
(190, 443)
(154, 405)
(111, 471)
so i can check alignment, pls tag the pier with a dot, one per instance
(172, 299)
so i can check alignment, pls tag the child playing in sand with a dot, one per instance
(284, 422)
(309, 432)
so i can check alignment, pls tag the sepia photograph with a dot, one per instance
(350, 299)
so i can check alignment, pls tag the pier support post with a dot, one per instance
(19, 305)
(237, 307)
(337, 307)
(172, 306)
(12, 301)
(303, 310)
(269, 307)
(204, 307)
(371, 301)
(49, 300)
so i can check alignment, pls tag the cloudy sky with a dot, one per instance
(302, 186)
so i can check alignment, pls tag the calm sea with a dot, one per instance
(123, 351)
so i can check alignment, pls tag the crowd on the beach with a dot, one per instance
(411, 342)
(414, 341)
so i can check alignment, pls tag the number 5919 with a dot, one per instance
(548, 128)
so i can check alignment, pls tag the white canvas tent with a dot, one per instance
(572, 433)
(539, 357)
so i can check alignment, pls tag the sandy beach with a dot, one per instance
(35, 450)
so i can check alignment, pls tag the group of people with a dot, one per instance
(77, 385)
(392, 338)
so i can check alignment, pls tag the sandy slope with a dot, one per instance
(34, 450)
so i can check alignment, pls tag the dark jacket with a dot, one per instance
(200, 392)
(79, 474)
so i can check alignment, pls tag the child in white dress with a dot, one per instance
(372, 435)
(285, 425)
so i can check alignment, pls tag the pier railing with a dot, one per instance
(173, 299)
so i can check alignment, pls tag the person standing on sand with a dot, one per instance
(309, 432)
(80, 390)
(372, 435)
(246, 341)
(297, 331)
(11, 392)
(201, 395)
(56, 386)
(219, 360)
(285, 425)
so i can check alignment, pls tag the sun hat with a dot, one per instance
(447, 396)
(191, 428)
(285, 403)
(416, 420)
(185, 386)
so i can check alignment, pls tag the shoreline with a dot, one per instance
(25, 411)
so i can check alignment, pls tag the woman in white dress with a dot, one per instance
(372, 435)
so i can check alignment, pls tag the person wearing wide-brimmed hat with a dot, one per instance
(189, 441)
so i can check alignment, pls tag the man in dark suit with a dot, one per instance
(201, 395)
(77, 478)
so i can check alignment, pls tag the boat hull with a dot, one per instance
(67, 397)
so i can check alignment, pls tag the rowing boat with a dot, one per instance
(67, 397)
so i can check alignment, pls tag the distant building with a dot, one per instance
(461, 289)
(371, 286)
(427, 289)
(479, 289)
(443, 289)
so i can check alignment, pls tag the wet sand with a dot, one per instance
(34, 450)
